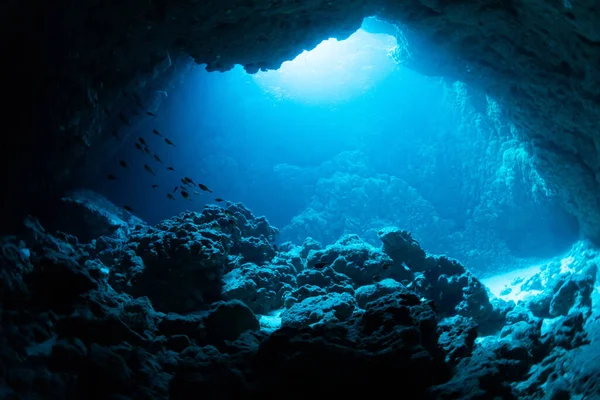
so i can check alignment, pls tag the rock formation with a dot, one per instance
(184, 309)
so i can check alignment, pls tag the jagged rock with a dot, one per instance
(178, 253)
(395, 340)
(309, 245)
(331, 307)
(366, 294)
(456, 290)
(260, 287)
(527, 335)
(533, 283)
(255, 250)
(457, 337)
(574, 292)
(403, 249)
(566, 332)
(352, 257)
(325, 278)
(249, 225)
(477, 376)
(520, 313)
(564, 292)
(227, 320)
(69, 322)
(303, 293)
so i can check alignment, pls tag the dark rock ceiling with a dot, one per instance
(70, 67)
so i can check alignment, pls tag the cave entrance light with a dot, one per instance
(334, 71)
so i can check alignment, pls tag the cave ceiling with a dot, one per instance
(72, 64)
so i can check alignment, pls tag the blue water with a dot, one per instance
(349, 140)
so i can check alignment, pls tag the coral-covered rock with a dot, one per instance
(366, 294)
(354, 258)
(76, 315)
(260, 287)
(403, 249)
(394, 340)
(249, 225)
(254, 250)
(456, 290)
(457, 337)
(574, 292)
(177, 254)
(227, 320)
(191, 252)
(331, 307)
(309, 245)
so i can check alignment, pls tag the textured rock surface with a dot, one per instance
(478, 217)
(170, 311)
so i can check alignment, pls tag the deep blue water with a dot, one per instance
(349, 147)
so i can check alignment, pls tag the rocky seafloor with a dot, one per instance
(205, 305)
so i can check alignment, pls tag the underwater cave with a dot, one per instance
(260, 199)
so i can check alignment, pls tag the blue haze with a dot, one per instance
(350, 147)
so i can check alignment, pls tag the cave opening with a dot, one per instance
(335, 71)
(346, 139)
(391, 210)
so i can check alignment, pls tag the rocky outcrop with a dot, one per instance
(174, 310)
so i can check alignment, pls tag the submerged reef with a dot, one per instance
(485, 229)
(205, 304)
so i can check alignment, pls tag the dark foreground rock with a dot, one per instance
(203, 304)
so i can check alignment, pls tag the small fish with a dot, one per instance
(142, 141)
(137, 99)
(190, 180)
(154, 186)
(185, 194)
(171, 169)
(386, 266)
(219, 200)
(184, 182)
(150, 113)
(146, 150)
(157, 158)
(147, 168)
(275, 247)
(228, 213)
(175, 189)
(123, 119)
(139, 147)
(170, 196)
(157, 133)
(123, 164)
(167, 141)
(127, 208)
(196, 192)
(321, 265)
(204, 188)
(111, 177)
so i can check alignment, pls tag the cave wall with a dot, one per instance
(72, 61)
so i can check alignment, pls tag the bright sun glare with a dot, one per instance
(333, 71)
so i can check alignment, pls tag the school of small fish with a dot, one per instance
(187, 184)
